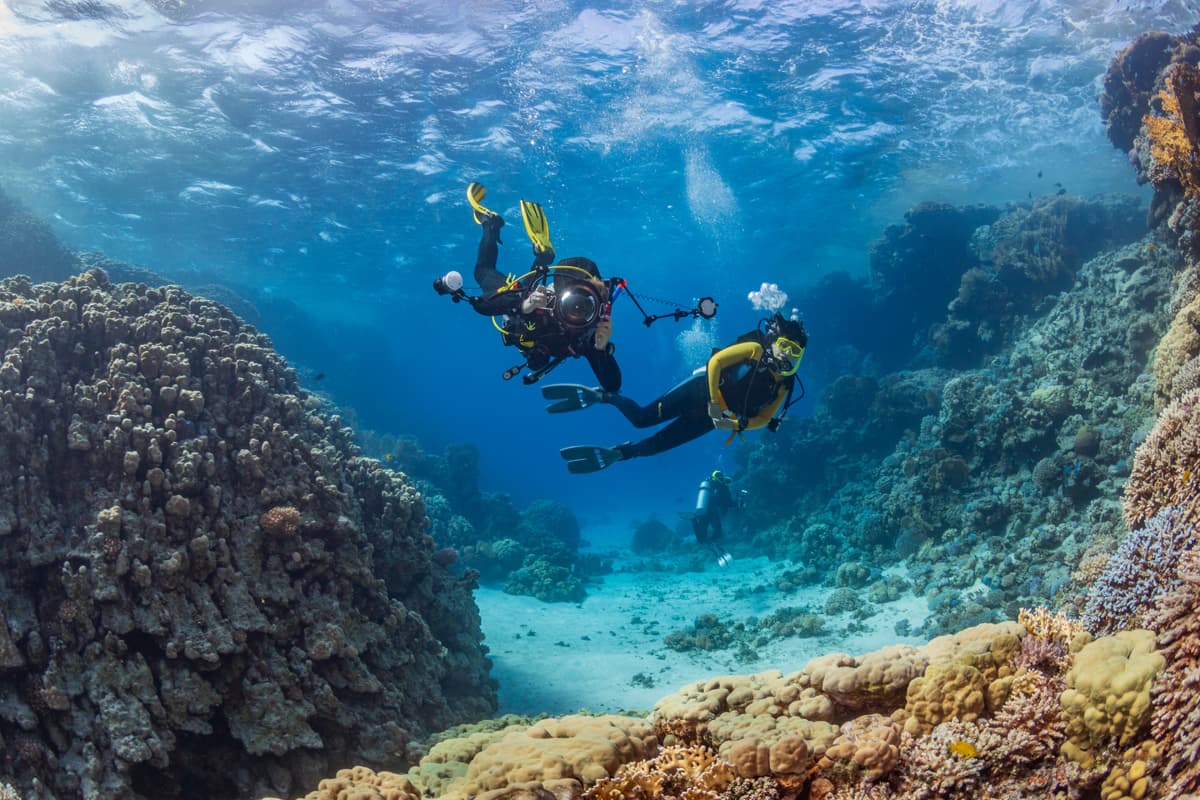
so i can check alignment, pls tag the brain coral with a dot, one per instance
(153, 636)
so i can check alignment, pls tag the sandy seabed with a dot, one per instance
(607, 653)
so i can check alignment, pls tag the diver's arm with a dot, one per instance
(723, 359)
(604, 364)
(764, 416)
(494, 304)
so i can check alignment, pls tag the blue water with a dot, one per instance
(314, 157)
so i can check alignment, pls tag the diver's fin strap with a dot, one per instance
(570, 397)
(589, 458)
(536, 227)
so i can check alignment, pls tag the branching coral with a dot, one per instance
(687, 773)
(1175, 721)
(1166, 468)
(1142, 568)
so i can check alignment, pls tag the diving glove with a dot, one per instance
(719, 419)
(540, 297)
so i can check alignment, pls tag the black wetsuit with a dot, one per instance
(746, 388)
(537, 335)
(720, 500)
(685, 405)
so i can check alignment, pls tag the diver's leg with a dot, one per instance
(679, 431)
(676, 402)
(715, 521)
(486, 275)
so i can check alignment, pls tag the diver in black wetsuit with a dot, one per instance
(713, 500)
(554, 312)
(741, 388)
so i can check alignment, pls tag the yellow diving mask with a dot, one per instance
(786, 354)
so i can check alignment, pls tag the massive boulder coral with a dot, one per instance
(770, 736)
(207, 591)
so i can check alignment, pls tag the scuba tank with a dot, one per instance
(704, 496)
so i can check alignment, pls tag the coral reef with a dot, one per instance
(1003, 476)
(532, 552)
(981, 480)
(207, 589)
(840, 729)
(29, 247)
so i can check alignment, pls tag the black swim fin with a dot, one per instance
(571, 397)
(590, 458)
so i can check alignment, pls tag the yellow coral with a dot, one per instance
(1172, 136)
(1130, 779)
(362, 783)
(1107, 701)
(574, 748)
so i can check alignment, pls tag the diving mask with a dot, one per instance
(786, 355)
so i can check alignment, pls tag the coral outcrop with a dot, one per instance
(207, 590)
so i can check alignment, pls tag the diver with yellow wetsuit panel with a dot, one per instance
(743, 387)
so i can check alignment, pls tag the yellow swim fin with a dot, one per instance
(475, 194)
(537, 227)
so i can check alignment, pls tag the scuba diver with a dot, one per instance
(714, 499)
(743, 387)
(551, 313)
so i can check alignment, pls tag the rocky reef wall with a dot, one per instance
(205, 591)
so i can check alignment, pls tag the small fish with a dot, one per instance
(962, 749)
(388, 457)
(320, 376)
(1151, 247)
(1061, 192)
(1039, 173)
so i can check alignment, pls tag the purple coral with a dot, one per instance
(1141, 569)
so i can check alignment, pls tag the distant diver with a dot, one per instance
(551, 313)
(743, 387)
(714, 498)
